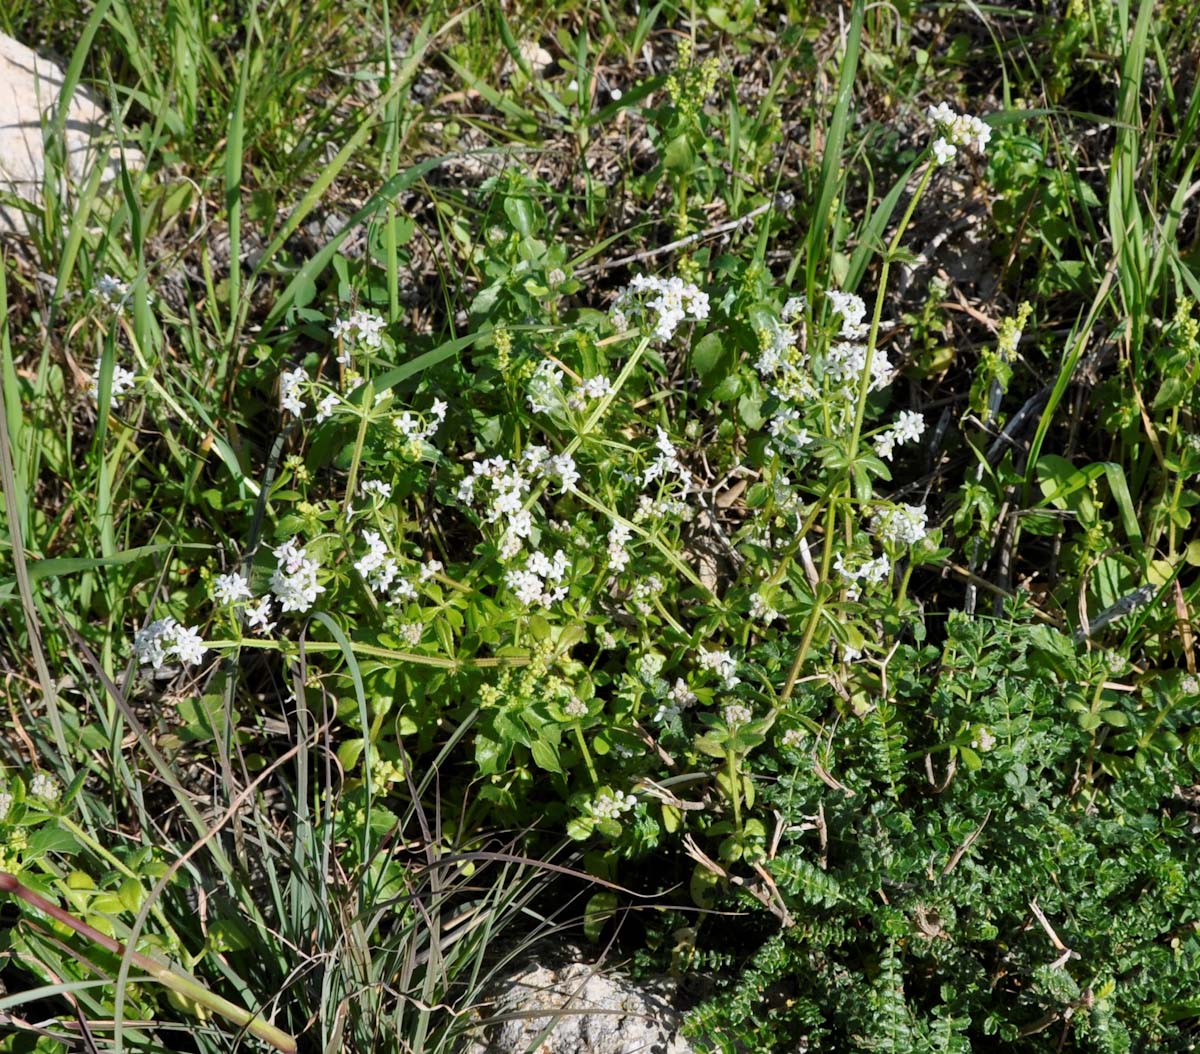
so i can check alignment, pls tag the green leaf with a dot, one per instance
(708, 354)
(600, 908)
(545, 755)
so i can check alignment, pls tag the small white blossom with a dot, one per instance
(294, 581)
(258, 616)
(853, 310)
(736, 714)
(6, 803)
(667, 301)
(794, 308)
(943, 152)
(723, 664)
(575, 709)
(618, 538)
(793, 738)
(984, 740)
(956, 130)
(909, 427)
(290, 390)
(1190, 685)
(165, 637)
(122, 382)
(362, 327)
(900, 525)
(611, 805)
(326, 407)
(111, 290)
(761, 610)
(411, 632)
(230, 588)
(45, 787)
(377, 487)
(428, 569)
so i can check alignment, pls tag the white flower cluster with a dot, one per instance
(294, 580)
(900, 525)
(1190, 685)
(761, 610)
(723, 664)
(412, 428)
(869, 572)
(540, 581)
(412, 632)
(845, 362)
(793, 738)
(618, 538)
(111, 290)
(45, 787)
(508, 487)
(230, 588)
(666, 463)
(909, 427)
(678, 698)
(670, 301)
(258, 615)
(291, 390)
(576, 709)
(377, 488)
(610, 805)
(362, 327)
(643, 593)
(380, 570)
(6, 803)
(164, 637)
(853, 310)
(588, 390)
(122, 382)
(955, 130)
(736, 715)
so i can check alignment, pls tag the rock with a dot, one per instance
(591, 1013)
(30, 87)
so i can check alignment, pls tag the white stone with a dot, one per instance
(30, 87)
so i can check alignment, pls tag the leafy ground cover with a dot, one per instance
(715, 485)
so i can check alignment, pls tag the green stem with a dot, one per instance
(731, 758)
(587, 754)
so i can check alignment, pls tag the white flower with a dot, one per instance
(589, 389)
(163, 637)
(326, 407)
(943, 151)
(111, 290)
(852, 309)
(122, 382)
(290, 393)
(909, 427)
(258, 616)
(362, 327)
(45, 787)
(618, 538)
(538, 582)
(6, 801)
(681, 695)
(544, 392)
(430, 568)
(984, 740)
(736, 714)
(230, 588)
(377, 487)
(575, 709)
(294, 581)
(955, 130)
(793, 738)
(411, 632)
(723, 664)
(761, 610)
(1190, 685)
(668, 302)
(900, 525)
(610, 805)
(794, 308)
